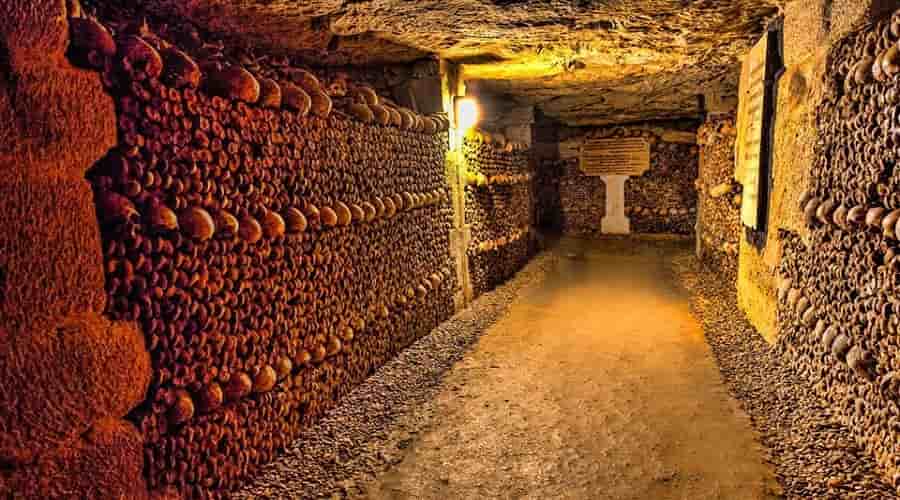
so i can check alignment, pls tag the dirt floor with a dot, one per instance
(597, 383)
(584, 376)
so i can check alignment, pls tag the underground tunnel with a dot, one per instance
(461, 249)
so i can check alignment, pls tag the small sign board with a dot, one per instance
(615, 156)
(754, 99)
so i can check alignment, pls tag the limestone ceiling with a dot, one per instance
(581, 61)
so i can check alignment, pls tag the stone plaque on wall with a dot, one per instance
(752, 116)
(615, 156)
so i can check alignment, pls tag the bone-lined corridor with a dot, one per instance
(449, 249)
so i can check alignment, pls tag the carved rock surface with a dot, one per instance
(57, 383)
(585, 62)
(104, 462)
(65, 369)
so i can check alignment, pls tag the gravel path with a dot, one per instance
(374, 424)
(814, 456)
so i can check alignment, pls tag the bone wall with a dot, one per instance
(581, 198)
(837, 284)
(664, 198)
(275, 237)
(719, 196)
(500, 208)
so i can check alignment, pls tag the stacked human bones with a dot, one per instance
(499, 207)
(838, 283)
(276, 238)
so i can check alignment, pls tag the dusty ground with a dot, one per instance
(585, 376)
(597, 383)
(373, 426)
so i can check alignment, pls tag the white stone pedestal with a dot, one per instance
(615, 221)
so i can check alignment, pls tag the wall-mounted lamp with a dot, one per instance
(466, 113)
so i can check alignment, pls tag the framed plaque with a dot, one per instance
(755, 116)
(628, 156)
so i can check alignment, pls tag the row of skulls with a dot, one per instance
(142, 54)
(499, 207)
(276, 241)
(838, 280)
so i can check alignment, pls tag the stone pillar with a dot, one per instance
(461, 233)
(69, 375)
(615, 221)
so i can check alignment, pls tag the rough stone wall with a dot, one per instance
(719, 198)
(68, 373)
(662, 200)
(499, 113)
(500, 209)
(837, 285)
(548, 193)
(269, 251)
(545, 138)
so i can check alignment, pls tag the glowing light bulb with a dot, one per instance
(466, 113)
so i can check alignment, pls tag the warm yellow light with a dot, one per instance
(466, 113)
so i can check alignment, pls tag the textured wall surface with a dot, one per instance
(837, 286)
(500, 209)
(273, 242)
(719, 198)
(582, 199)
(664, 198)
(68, 374)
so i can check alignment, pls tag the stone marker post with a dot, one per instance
(614, 160)
(615, 221)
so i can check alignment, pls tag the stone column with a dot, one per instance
(461, 233)
(68, 375)
(615, 221)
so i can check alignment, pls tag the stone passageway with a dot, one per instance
(597, 383)
(358, 249)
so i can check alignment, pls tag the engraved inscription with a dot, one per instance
(617, 156)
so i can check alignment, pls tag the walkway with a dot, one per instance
(597, 385)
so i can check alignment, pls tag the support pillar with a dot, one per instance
(615, 221)
(461, 234)
(69, 374)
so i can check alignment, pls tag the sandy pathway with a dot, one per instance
(597, 384)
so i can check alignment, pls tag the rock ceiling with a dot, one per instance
(580, 61)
